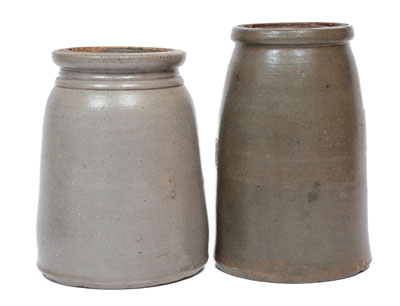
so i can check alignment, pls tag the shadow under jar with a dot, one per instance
(291, 156)
(121, 193)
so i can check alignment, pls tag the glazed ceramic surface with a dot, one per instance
(121, 194)
(291, 159)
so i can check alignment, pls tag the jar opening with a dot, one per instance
(293, 25)
(117, 49)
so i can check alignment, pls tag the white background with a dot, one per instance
(30, 30)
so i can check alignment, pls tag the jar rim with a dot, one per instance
(293, 33)
(119, 58)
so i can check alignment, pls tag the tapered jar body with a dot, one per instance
(291, 159)
(121, 194)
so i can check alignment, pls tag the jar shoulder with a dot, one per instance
(118, 99)
(72, 109)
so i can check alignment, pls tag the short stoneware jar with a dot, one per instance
(121, 192)
(291, 157)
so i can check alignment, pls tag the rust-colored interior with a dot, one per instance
(118, 49)
(293, 25)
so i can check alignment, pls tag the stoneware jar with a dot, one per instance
(121, 193)
(292, 194)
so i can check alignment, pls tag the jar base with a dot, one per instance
(120, 285)
(276, 278)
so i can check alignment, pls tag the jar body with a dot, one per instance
(121, 199)
(292, 194)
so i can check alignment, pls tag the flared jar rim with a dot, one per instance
(286, 33)
(119, 58)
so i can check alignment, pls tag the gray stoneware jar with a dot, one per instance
(291, 159)
(121, 193)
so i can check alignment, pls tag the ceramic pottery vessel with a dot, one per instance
(292, 193)
(121, 195)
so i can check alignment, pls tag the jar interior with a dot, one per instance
(118, 49)
(293, 25)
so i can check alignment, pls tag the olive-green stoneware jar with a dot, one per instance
(291, 156)
(121, 193)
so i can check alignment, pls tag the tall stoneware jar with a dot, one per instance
(292, 193)
(121, 192)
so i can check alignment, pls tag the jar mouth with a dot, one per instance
(116, 49)
(293, 25)
(119, 59)
(293, 33)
